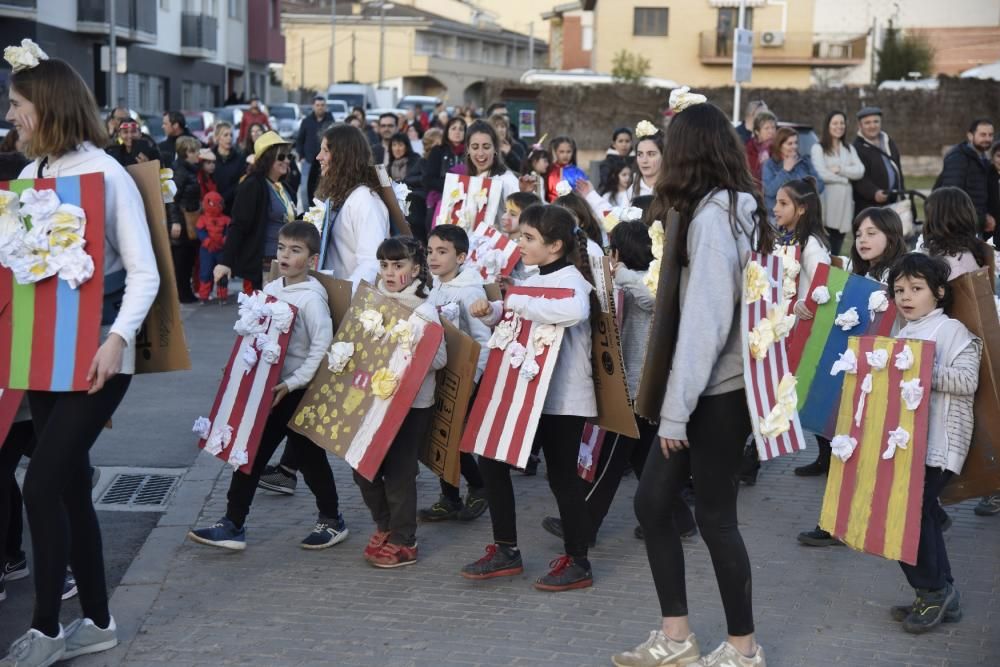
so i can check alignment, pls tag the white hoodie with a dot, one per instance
(312, 332)
(463, 290)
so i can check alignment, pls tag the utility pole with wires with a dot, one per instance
(333, 42)
(112, 57)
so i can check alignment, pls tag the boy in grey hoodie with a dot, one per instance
(312, 333)
(454, 291)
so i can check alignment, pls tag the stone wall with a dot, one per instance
(923, 123)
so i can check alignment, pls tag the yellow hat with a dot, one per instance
(267, 140)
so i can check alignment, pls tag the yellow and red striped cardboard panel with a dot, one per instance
(873, 504)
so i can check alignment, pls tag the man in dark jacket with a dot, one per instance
(967, 166)
(880, 156)
(307, 146)
(174, 126)
(388, 125)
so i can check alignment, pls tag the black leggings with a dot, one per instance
(470, 471)
(717, 431)
(61, 516)
(20, 442)
(618, 452)
(315, 466)
(559, 436)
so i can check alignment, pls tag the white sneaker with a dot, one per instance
(660, 651)
(35, 649)
(727, 656)
(83, 637)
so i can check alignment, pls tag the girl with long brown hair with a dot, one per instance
(56, 117)
(704, 421)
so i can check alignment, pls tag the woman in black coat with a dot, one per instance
(440, 160)
(230, 165)
(407, 167)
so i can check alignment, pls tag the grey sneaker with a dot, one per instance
(727, 656)
(83, 637)
(35, 649)
(660, 651)
(275, 478)
(988, 506)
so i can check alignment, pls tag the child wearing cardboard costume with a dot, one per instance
(455, 290)
(920, 287)
(550, 240)
(392, 495)
(312, 333)
(212, 226)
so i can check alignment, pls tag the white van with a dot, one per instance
(353, 94)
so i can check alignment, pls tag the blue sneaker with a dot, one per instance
(326, 533)
(223, 534)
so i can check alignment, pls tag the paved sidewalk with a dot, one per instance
(276, 604)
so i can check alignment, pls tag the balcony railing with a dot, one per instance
(136, 17)
(199, 35)
(786, 48)
(19, 4)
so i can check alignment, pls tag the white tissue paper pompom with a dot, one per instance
(338, 356)
(563, 188)
(878, 302)
(270, 352)
(529, 369)
(517, 354)
(847, 363)
(821, 295)
(203, 427)
(838, 295)
(371, 323)
(219, 440)
(912, 393)
(542, 336)
(842, 446)
(898, 439)
(451, 312)
(878, 359)
(249, 356)
(904, 360)
(848, 319)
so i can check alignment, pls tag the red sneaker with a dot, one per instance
(376, 542)
(394, 555)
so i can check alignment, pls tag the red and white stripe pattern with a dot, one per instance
(591, 445)
(244, 399)
(384, 417)
(786, 253)
(504, 417)
(495, 240)
(762, 376)
(469, 210)
(10, 401)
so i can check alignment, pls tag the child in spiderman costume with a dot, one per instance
(212, 226)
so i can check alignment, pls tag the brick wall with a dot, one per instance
(923, 123)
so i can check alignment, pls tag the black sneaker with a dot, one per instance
(813, 469)
(445, 508)
(928, 610)
(566, 574)
(326, 533)
(750, 465)
(818, 538)
(475, 504)
(277, 479)
(499, 561)
(639, 534)
(16, 569)
(988, 505)
(952, 613)
(531, 468)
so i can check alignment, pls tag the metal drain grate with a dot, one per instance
(138, 491)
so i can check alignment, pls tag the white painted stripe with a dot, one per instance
(516, 407)
(490, 415)
(261, 371)
(544, 376)
(235, 378)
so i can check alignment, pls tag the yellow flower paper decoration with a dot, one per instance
(775, 327)
(756, 283)
(610, 221)
(652, 277)
(760, 339)
(779, 420)
(384, 383)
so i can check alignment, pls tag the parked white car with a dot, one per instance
(286, 119)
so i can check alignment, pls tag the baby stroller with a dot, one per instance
(906, 206)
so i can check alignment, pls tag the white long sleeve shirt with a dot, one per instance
(361, 226)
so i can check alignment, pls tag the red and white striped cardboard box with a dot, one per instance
(504, 417)
(234, 428)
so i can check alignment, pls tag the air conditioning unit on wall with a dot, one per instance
(772, 38)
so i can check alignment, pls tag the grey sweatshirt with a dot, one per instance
(464, 290)
(708, 358)
(312, 332)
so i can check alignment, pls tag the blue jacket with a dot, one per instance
(774, 176)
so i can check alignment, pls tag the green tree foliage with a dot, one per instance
(899, 56)
(629, 67)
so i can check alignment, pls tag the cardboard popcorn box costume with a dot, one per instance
(50, 329)
(770, 383)
(523, 354)
(874, 491)
(10, 401)
(663, 329)
(160, 344)
(468, 201)
(974, 305)
(844, 305)
(233, 430)
(491, 252)
(452, 393)
(356, 403)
